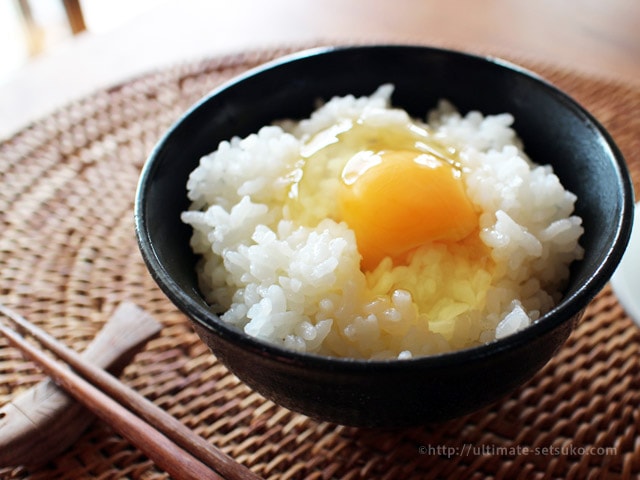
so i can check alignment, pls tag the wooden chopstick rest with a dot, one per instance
(44, 421)
(179, 463)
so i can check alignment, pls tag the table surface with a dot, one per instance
(67, 263)
(599, 38)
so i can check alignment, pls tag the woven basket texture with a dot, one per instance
(68, 256)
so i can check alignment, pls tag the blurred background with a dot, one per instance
(52, 51)
(30, 28)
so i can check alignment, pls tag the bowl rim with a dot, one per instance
(567, 309)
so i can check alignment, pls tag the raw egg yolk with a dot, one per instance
(398, 200)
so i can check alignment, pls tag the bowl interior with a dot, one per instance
(555, 131)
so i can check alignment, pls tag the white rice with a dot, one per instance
(302, 288)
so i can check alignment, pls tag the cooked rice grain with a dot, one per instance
(301, 287)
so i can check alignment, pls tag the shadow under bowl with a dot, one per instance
(555, 130)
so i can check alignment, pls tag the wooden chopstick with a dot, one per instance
(192, 457)
(152, 443)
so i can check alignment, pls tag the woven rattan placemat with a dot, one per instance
(68, 256)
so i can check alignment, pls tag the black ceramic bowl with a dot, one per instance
(555, 130)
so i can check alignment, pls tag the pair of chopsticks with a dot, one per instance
(160, 436)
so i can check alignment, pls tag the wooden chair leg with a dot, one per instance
(34, 34)
(75, 16)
